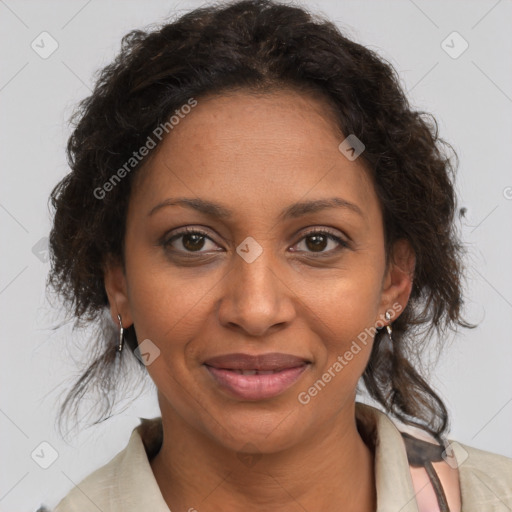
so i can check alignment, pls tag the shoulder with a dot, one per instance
(485, 477)
(124, 483)
(482, 460)
(95, 490)
(470, 477)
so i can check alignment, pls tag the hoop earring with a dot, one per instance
(119, 348)
(387, 316)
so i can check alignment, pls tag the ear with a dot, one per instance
(397, 282)
(117, 292)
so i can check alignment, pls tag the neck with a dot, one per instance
(332, 468)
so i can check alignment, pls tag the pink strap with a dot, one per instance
(437, 488)
(425, 495)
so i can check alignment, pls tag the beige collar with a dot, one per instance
(395, 492)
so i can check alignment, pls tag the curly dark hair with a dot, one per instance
(264, 46)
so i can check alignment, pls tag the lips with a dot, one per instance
(258, 364)
(257, 377)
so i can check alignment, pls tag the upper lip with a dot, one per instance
(269, 361)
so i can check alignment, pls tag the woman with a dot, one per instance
(268, 223)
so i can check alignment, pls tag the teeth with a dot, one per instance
(256, 372)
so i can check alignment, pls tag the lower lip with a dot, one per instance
(256, 387)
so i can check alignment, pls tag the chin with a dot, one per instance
(259, 430)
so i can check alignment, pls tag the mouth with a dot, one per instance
(252, 372)
(256, 377)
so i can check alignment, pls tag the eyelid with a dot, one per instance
(343, 240)
(334, 236)
(166, 239)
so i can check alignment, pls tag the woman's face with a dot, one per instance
(255, 280)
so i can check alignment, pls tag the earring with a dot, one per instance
(387, 316)
(121, 335)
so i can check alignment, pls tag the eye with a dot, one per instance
(193, 240)
(319, 239)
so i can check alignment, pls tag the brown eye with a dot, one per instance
(317, 241)
(192, 240)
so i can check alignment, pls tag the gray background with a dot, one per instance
(470, 95)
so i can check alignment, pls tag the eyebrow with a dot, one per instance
(293, 211)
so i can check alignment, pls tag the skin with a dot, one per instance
(256, 155)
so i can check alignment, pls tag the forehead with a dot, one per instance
(255, 152)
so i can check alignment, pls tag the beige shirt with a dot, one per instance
(127, 483)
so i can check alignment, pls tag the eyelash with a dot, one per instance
(196, 231)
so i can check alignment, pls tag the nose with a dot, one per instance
(256, 297)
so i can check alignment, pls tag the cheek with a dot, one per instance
(170, 305)
(346, 309)
(174, 307)
(349, 300)
(169, 302)
(346, 317)
(169, 311)
(165, 307)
